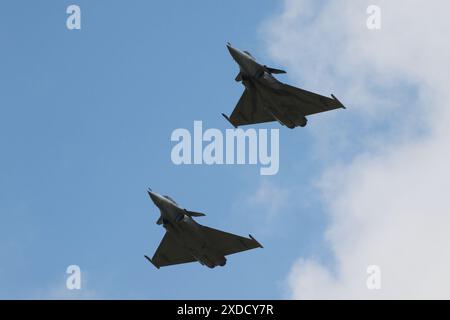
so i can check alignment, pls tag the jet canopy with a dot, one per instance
(170, 199)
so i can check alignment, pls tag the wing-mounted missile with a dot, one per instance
(340, 103)
(193, 213)
(274, 70)
(256, 241)
(229, 120)
(151, 261)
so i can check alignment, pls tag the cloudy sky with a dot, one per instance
(86, 119)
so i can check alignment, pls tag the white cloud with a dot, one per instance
(264, 205)
(270, 196)
(389, 205)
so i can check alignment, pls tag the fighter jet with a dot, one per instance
(186, 240)
(266, 99)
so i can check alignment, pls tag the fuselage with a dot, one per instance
(187, 232)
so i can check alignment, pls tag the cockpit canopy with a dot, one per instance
(169, 198)
(248, 53)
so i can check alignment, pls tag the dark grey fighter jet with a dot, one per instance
(187, 241)
(266, 99)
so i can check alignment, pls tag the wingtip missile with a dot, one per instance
(259, 244)
(337, 100)
(228, 119)
(150, 260)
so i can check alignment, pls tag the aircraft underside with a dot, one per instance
(282, 109)
(197, 246)
(266, 99)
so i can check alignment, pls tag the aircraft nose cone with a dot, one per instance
(233, 52)
(153, 196)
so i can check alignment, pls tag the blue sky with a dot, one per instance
(85, 125)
